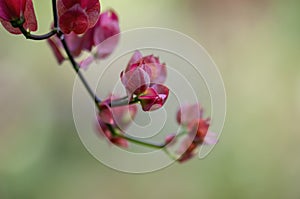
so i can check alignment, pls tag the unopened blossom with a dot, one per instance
(197, 132)
(196, 127)
(77, 15)
(119, 118)
(151, 63)
(104, 131)
(16, 13)
(143, 78)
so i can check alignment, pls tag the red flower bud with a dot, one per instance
(191, 116)
(17, 12)
(154, 97)
(198, 129)
(142, 77)
(118, 117)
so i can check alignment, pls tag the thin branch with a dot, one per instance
(123, 102)
(54, 10)
(28, 35)
(134, 140)
(77, 70)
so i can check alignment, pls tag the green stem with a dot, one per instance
(134, 140)
(123, 102)
(77, 70)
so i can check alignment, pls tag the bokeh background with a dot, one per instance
(255, 43)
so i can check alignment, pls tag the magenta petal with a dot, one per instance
(75, 43)
(151, 64)
(188, 113)
(105, 34)
(107, 47)
(105, 114)
(135, 81)
(75, 20)
(84, 64)
(162, 91)
(210, 138)
(124, 115)
(150, 100)
(134, 59)
(30, 18)
(5, 13)
(87, 40)
(55, 48)
(170, 139)
(121, 142)
(154, 97)
(14, 9)
(93, 11)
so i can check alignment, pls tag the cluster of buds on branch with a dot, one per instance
(80, 26)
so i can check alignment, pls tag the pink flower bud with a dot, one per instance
(191, 116)
(158, 71)
(14, 11)
(142, 77)
(136, 81)
(105, 132)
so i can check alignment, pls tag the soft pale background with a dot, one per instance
(256, 46)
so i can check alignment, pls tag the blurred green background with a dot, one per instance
(255, 43)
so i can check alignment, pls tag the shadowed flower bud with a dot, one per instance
(191, 116)
(14, 13)
(118, 117)
(77, 15)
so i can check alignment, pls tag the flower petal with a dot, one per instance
(75, 20)
(55, 48)
(188, 113)
(135, 81)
